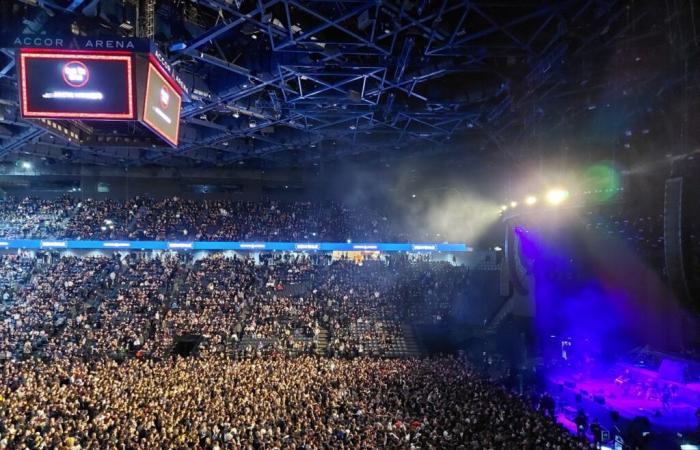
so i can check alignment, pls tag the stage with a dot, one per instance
(630, 391)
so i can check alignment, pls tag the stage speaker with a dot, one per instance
(515, 267)
(599, 399)
(673, 370)
(504, 278)
(642, 422)
(674, 259)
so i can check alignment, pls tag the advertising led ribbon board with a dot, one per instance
(161, 110)
(76, 85)
(226, 245)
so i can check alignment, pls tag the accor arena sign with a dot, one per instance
(75, 43)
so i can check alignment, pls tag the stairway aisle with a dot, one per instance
(411, 346)
(322, 342)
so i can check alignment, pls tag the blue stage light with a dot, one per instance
(177, 46)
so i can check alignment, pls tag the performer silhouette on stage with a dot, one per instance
(581, 421)
(666, 397)
(597, 432)
(547, 406)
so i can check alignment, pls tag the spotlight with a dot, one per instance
(504, 207)
(26, 165)
(178, 46)
(513, 204)
(530, 200)
(557, 196)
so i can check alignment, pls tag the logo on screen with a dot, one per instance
(164, 98)
(75, 74)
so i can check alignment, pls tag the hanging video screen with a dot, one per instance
(76, 85)
(162, 104)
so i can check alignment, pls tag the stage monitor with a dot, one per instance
(161, 110)
(76, 85)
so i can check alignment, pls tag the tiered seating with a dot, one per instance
(143, 218)
(15, 271)
(38, 316)
(32, 217)
(142, 303)
(641, 232)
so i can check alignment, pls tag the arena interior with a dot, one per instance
(316, 224)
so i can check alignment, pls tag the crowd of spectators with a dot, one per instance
(41, 309)
(142, 218)
(214, 402)
(643, 233)
(143, 302)
(32, 217)
(15, 271)
(135, 296)
(291, 356)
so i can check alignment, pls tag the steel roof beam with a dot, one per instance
(327, 24)
(453, 42)
(211, 34)
(248, 17)
(218, 62)
(9, 66)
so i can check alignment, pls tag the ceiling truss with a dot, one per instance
(301, 82)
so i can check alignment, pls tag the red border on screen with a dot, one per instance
(154, 127)
(165, 74)
(24, 55)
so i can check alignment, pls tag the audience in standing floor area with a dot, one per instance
(213, 402)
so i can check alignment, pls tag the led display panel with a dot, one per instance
(161, 111)
(76, 85)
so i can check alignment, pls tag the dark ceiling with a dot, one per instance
(300, 83)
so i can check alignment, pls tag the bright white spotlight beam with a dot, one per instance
(557, 196)
(530, 200)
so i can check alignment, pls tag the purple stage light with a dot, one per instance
(589, 291)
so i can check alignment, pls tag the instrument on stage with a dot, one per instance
(622, 380)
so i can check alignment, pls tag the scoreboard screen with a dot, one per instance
(161, 110)
(76, 85)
